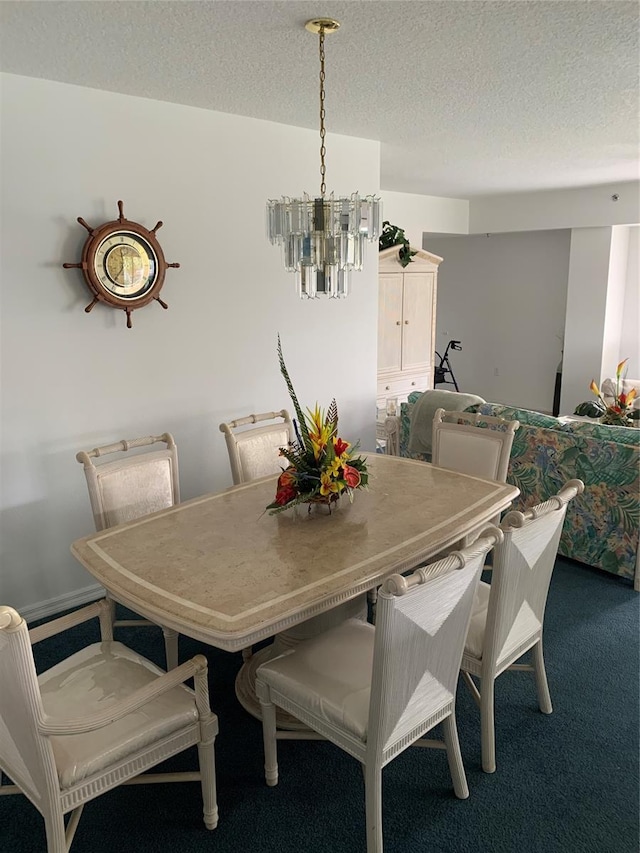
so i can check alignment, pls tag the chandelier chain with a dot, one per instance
(323, 150)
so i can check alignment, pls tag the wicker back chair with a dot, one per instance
(375, 691)
(508, 614)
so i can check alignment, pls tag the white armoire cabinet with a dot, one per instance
(406, 324)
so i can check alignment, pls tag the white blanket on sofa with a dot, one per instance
(425, 408)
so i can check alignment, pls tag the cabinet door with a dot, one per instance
(389, 322)
(417, 321)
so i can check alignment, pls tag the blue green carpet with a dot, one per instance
(566, 782)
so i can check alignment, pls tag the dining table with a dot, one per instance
(222, 569)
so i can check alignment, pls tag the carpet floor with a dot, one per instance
(565, 782)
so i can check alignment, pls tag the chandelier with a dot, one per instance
(323, 238)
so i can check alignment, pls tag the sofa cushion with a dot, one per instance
(525, 416)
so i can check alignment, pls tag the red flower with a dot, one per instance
(340, 446)
(351, 476)
(283, 496)
(286, 489)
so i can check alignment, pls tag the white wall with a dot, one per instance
(614, 310)
(585, 207)
(504, 297)
(630, 334)
(586, 312)
(72, 381)
(418, 213)
(602, 322)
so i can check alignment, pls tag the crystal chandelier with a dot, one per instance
(323, 238)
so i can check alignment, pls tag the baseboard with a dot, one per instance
(56, 605)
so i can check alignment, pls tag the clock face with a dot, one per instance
(125, 265)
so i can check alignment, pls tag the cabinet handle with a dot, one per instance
(406, 322)
(386, 388)
(398, 323)
(413, 383)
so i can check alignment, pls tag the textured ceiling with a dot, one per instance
(467, 98)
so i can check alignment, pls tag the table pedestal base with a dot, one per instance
(246, 678)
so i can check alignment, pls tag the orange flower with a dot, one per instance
(287, 479)
(620, 368)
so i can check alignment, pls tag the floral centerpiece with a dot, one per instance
(618, 413)
(322, 467)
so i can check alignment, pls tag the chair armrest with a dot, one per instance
(100, 609)
(197, 667)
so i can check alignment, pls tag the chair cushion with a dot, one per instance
(259, 451)
(471, 450)
(475, 635)
(94, 679)
(329, 674)
(131, 488)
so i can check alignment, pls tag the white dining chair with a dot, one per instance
(255, 451)
(128, 487)
(422, 411)
(508, 614)
(96, 720)
(374, 691)
(474, 444)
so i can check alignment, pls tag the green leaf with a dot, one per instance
(392, 235)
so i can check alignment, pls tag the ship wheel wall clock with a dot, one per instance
(122, 264)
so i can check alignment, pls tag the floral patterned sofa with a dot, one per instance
(602, 525)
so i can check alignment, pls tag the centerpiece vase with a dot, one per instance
(322, 501)
(613, 418)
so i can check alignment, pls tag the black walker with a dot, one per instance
(444, 368)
